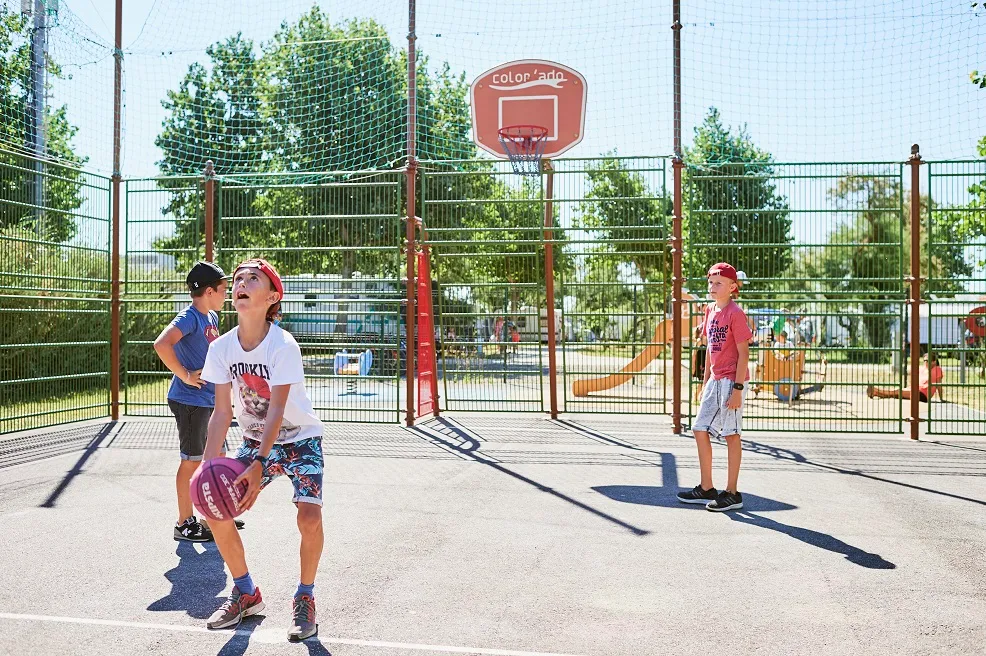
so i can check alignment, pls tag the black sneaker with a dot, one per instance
(236, 522)
(192, 531)
(726, 501)
(698, 495)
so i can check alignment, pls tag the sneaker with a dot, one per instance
(236, 522)
(304, 619)
(726, 501)
(234, 609)
(698, 495)
(192, 531)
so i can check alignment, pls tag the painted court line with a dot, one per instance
(18, 617)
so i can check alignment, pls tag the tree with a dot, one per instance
(631, 218)
(867, 256)
(733, 211)
(17, 185)
(318, 97)
(631, 223)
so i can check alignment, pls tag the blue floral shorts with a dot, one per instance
(301, 460)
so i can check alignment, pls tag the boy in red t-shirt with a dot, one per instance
(929, 377)
(728, 333)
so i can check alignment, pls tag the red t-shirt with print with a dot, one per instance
(724, 328)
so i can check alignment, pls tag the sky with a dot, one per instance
(834, 81)
(841, 80)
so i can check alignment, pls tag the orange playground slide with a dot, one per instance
(662, 337)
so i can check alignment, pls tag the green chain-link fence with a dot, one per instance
(823, 247)
(484, 227)
(953, 319)
(54, 294)
(335, 240)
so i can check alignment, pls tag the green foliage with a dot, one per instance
(17, 172)
(733, 212)
(317, 97)
(51, 322)
(633, 219)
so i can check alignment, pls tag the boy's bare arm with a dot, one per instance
(222, 417)
(164, 346)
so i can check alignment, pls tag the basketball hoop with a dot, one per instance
(524, 145)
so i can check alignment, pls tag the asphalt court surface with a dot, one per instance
(512, 536)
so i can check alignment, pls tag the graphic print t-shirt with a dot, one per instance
(724, 329)
(276, 361)
(198, 331)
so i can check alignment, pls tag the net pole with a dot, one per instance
(676, 221)
(915, 301)
(209, 183)
(677, 307)
(115, 248)
(549, 285)
(410, 173)
(676, 27)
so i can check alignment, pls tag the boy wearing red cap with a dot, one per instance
(257, 370)
(728, 333)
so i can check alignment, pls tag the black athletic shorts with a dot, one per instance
(193, 428)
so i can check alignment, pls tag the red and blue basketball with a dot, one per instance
(214, 494)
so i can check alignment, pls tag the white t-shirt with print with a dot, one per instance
(275, 361)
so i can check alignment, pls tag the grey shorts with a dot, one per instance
(193, 428)
(713, 415)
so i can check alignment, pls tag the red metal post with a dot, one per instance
(915, 280)
(549, 285)
(411, 173)
(115, 248)
(210, 209)
(677, 305)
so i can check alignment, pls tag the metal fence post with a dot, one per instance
(915, 300)
(677, 307)
(115, 345)
(549, 285)
(209, 183)
(411, 172)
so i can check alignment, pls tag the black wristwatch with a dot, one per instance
(737, 386)
(262, 460)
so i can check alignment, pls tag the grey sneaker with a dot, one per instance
(234, 609)
(191, 530)
(304, 619)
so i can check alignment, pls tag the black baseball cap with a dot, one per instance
(204, 274)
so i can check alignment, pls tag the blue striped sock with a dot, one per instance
(305, 589)
(245, 584)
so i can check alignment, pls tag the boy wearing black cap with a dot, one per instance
(182, 347)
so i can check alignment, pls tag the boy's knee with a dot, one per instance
(732, 439)
(309, 517)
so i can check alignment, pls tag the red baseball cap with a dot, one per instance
(268, 270)
(725, 270)
(265, 267)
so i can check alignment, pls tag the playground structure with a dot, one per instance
(663, 337)
(354, 366)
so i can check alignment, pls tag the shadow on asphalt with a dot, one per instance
(197, 581)
(240, 640)
(664, 496)
(461, 440)
(854, 555)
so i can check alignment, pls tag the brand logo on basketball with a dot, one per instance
(234, 494)
(207, 495)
